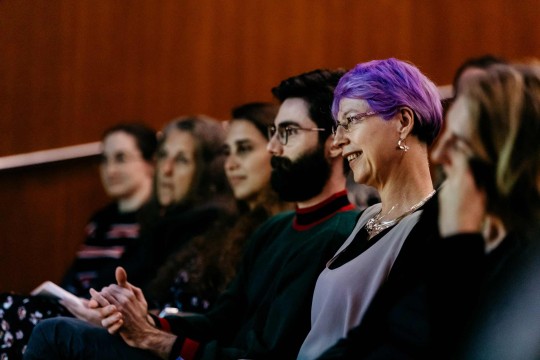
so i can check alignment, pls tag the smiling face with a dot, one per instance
(176, 167)
(370, 143)
(123, 170)
(247, 163)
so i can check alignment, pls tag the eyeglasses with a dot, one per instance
(284, 132)
(351, 120)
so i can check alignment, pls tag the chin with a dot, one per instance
(241, 195)
(165, 200)
(361, 179)
(116, 193)
(358, 177)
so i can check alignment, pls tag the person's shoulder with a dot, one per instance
(207, 212)
(108, 211)
(344, 218)
(280, 220)
(274, 225)
(352, 214)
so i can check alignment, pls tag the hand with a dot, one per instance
(83, 311)
(462, 205)
(105, 310)
(132, 320)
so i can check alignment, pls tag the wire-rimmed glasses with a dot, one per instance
(351, 120)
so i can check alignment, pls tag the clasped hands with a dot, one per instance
(123, 310)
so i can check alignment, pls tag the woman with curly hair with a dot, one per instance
(193, 277)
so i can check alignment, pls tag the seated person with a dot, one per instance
(264, 312)
(192, 198)
(191, 280)
(490, 216)
(126, 170)
(387, 114)
(112, 234)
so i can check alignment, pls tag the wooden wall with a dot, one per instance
(70, 68)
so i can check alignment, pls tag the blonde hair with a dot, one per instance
(504, 103)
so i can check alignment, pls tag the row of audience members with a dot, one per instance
(419, 274)
(181, 243)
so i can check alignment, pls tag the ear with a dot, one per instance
(406, 121)
(332, 151)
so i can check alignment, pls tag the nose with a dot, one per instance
(108, 166)
(340, 138)
(439, 152)
(231, 162)
(274, 147)
(166, 167)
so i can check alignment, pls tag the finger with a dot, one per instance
(97, 297)
(111, 319)
(114, 328)
(138, 294)
(93, 304)
(121, 277)
(117, 295)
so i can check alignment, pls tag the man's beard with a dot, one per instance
(302, 179)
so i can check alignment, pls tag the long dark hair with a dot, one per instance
(211, 259)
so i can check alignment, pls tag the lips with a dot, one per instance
(165, 185)
(114, 180)
(234, 180)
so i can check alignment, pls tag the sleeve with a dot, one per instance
(454, 286)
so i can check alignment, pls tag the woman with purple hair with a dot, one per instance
(387, 114)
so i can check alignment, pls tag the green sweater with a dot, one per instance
(265, 312)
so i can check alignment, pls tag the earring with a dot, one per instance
(402, 146)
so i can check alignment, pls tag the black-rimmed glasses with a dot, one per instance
(351, 120)
(284, 132)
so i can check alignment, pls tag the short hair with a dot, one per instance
(260, 114)
(317, 89)
(209, 137)
(504, 104)
(387, 85)
(145, 137)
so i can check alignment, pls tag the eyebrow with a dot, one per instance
(288, 123)
(346, 113)
(463, 140)
(242, 141)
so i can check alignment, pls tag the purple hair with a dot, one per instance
(390, 84)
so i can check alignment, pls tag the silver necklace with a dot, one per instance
(375, 225)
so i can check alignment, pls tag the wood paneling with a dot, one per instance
(43, 213)
(69, 69)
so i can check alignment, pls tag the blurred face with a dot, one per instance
(176, 167)
(247, 165)
(370, 143)
(455, 145)
(123, 170)
(462, 202)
